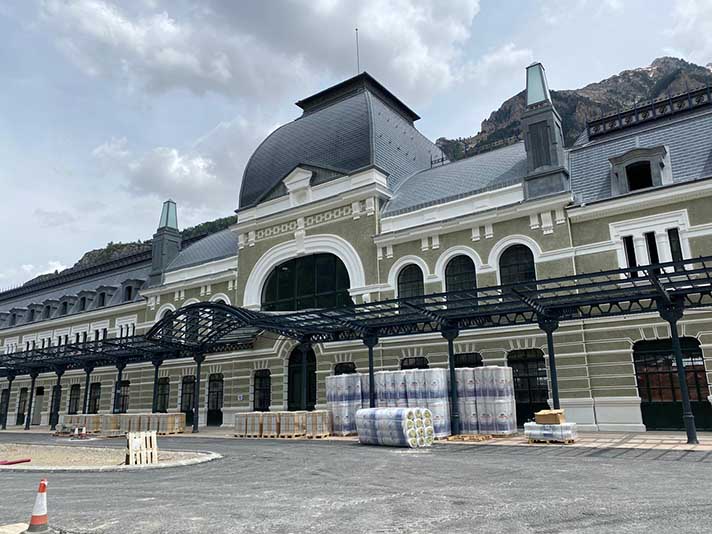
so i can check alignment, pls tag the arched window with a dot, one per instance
(317, 281)
(415, 362)
(460, 274)
(516, 265)
(410, 282)
(345, 368)
(468, 359)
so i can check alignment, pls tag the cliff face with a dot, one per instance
(664, 75)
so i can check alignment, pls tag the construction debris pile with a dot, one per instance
(485, 398)
(395, 427)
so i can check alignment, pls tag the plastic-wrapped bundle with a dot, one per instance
(394, 427)
(365, 391)
(468, 416)
(415, 386)
(560, 432)
(436, 384)
(344, 398)
(400, 388)
(441, 417)
(496, 408)
(380, 378)
(391, 389)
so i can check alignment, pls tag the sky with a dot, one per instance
(110, 107)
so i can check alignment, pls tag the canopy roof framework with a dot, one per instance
(605, 294)
(209, 327)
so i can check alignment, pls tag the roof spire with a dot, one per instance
(537, 87)
(169, 215)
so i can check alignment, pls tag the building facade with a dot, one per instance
(349, 203)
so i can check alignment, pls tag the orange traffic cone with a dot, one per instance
(39, 521)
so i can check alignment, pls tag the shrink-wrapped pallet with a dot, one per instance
(317, 424)
(344, 398)
(110, 423)
(564, 432)
(270, 424)
(496, 407)
(253, 424)
(241, 424)
(292, 424)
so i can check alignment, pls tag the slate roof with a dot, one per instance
(213, 247)
(360, 126)
(688, 138)
(90, 283)
(491, 170)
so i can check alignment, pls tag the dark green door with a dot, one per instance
(659, 386)
(530, 386)
(294, 391)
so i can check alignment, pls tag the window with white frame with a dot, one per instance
(650, 240)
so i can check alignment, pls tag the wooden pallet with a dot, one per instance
(469, 437)
(318, 436)
(292, 435)
(552, 441)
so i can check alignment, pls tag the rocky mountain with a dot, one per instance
(665, 75)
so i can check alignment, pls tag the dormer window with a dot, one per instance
(13, 319)
(639, 169)
(101, 300)
(82, 304)
(46, 312)
(639, 175)
(32, 315)
(128, 294)
(64, 308)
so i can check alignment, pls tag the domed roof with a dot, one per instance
(351, 126)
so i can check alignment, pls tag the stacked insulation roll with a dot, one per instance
(496, 408)
(467, 400)
(395, 427)
(344, 398)
(435, 390)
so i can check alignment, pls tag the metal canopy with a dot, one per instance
(604, 294)
(105, 352)
(208, 327)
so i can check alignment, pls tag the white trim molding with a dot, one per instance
(316, 244)
(221, 296)
(404, 261)
(457, 250)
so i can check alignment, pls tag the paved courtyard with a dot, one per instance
(339, 486)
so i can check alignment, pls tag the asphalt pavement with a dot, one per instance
(284, 486)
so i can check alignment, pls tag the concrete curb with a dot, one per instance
(204, 457)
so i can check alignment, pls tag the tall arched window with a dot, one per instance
(460, 274)
(516, 265)
(317, 281)
(410, 282)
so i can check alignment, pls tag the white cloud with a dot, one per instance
(205, 175)
(54, 218)
(504, 62)
(261, 49)
(691, 31)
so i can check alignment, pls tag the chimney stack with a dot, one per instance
(166, 242)
(543, 138)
